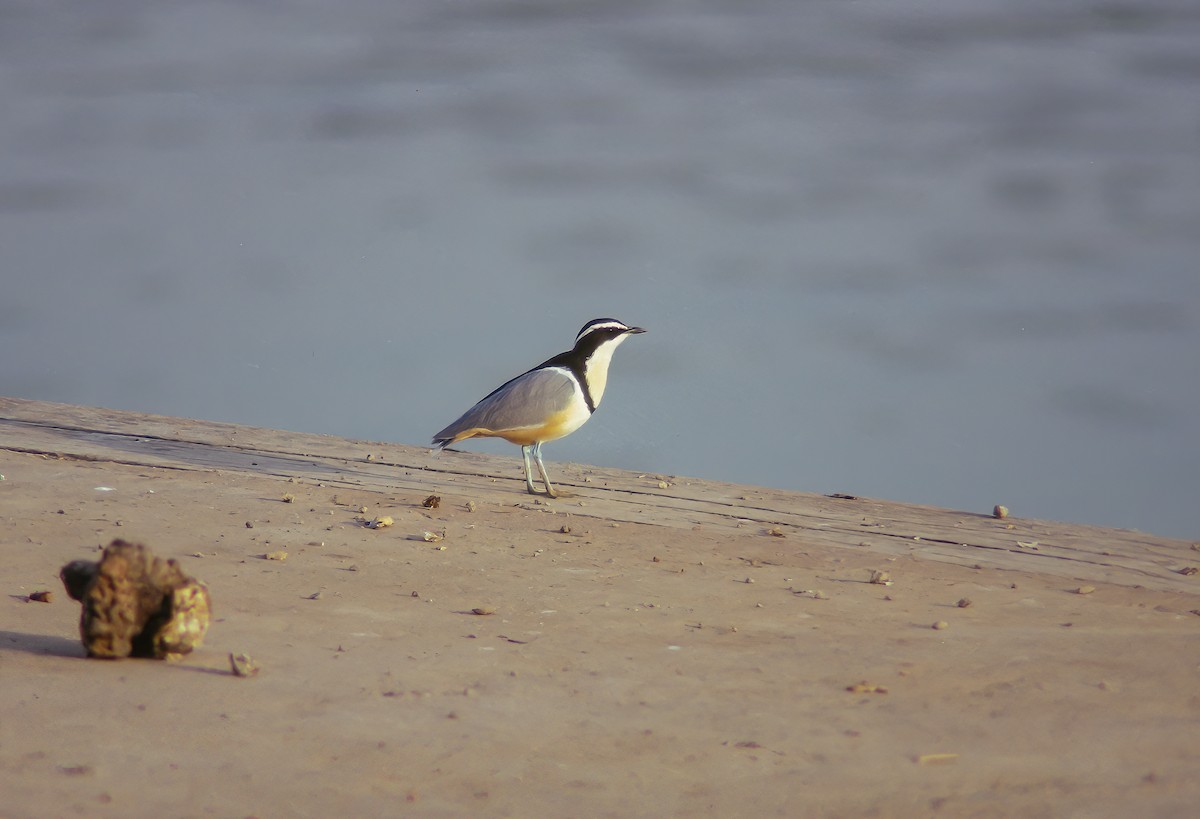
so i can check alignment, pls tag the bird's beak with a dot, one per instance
(634, 331)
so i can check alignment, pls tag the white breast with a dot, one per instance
(595, 370)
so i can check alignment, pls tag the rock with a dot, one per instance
(136, 604)
(242, 665)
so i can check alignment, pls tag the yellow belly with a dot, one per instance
(556, 426)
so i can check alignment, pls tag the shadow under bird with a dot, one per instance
(550, 401)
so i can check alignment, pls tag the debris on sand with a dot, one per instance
(136, 604)
(936, 759)
(815, 594)
(865, 687)
(242, 665)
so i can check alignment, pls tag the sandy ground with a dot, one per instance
(627, 670)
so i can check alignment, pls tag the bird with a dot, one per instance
(548, 402)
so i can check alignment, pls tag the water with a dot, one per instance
(932, 252)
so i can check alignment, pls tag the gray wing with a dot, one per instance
(526, 401)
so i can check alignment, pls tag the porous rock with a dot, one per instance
(136, 604)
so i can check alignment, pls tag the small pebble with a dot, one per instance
(865, 687)
(941, 624)
(242, 665)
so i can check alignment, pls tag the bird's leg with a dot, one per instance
(525, 450)
(537, 454)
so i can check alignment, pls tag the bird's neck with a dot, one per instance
(595, 368)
